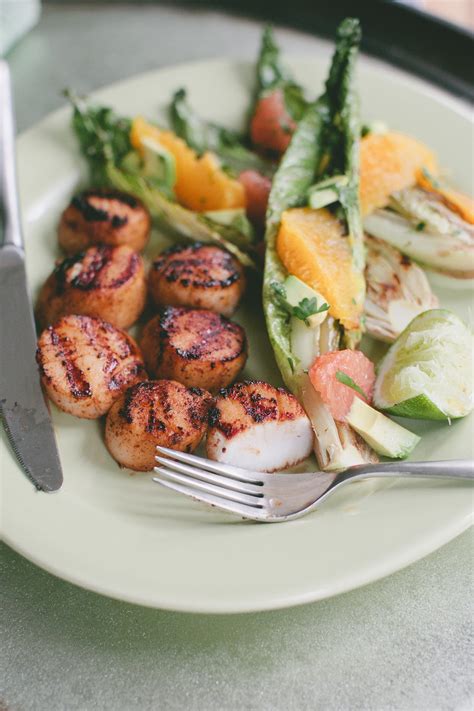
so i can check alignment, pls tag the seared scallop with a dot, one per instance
(155, 412)
(86, 364)
(103, 217)
(195, 347)
(107, 282)
(256, 426)
(200, 276)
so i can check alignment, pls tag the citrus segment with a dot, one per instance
(456, 201)
(257, 189)
(271, 126)
(312, 246)
(390, 162)
(335, 394)
(201, 184)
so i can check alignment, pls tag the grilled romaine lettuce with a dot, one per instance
(325, 141)
(104, 139)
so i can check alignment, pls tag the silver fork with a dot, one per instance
(279, 497)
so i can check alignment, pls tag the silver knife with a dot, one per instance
(24, 412)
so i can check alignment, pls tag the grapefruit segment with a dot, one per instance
(271, 126)
(257, 189)
(390, 162)
(313, 247)
(335, 394)
(201, 184)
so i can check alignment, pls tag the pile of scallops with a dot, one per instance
(178, 384)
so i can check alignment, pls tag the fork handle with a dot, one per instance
(448, 469)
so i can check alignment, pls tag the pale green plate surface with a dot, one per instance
(122, 535)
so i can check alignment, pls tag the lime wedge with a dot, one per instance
(427, 372)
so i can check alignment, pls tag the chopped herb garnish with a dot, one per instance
(347, 380)
(420, 226)
(308, 307)
(304, 309)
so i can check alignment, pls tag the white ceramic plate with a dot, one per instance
(120, 534)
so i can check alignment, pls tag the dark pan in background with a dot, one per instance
(411, 39)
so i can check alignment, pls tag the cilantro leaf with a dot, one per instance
(304, 309)
(308, 307)
(347, 380)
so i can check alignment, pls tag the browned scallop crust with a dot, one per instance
(200, 276)
(195, 347)
(160, 412)
(105, 282)
(257, 426)
(251, 402)
(103, 217)
(86, 364)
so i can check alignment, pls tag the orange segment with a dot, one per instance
(312, 246)
(390, 162)
(456, 201)
(201, 184)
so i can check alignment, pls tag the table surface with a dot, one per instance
(402, 643)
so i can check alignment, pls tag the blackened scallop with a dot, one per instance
(86, 364)
(255, 425)
(103, 217)
(200, 276)
(196, 347)
(105, 282)
(161, 412)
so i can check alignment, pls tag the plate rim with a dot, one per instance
(370, 64)
(399, 562)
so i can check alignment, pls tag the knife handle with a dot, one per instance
(10, 227)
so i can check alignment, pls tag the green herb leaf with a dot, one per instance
(304, 309)
(347, 380)
(420, 226)
(308, 307)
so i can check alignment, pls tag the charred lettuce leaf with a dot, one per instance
(204, 136)
(273, 75)
(104, 139)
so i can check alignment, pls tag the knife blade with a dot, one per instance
(24, 412)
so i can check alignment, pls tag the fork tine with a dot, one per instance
(211, 478)
(200, 485)
(211, 466)
(230, 506)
